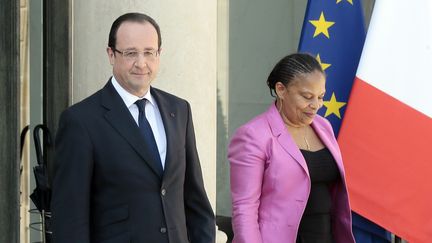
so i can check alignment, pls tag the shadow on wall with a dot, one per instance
(223, 198)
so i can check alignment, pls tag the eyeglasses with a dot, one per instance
(132, 55)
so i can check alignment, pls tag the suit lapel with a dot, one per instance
(120, 118)
(284, 138)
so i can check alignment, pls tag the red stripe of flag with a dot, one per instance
(387, 150)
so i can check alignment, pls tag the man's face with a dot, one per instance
(135, 73)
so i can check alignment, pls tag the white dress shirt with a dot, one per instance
(152, 114)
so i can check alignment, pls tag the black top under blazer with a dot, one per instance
(107, 189)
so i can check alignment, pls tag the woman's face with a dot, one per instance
(302, 98)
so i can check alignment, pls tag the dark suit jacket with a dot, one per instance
(107, 189)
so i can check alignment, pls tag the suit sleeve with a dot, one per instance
(72, 181)
(247, 163)
(200, 218)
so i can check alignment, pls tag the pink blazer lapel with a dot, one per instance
(287, 143)
(283, 137)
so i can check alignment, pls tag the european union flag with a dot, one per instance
(334, 32)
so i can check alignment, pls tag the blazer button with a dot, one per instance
(163, 230)
(163, 192)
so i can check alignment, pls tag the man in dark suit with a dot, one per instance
(127, 168)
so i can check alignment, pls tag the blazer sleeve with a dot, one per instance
(200, 218)
(72, 181)
(247, 162)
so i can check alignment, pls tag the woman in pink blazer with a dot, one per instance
(287, 177)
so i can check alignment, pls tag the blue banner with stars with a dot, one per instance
(333, 31)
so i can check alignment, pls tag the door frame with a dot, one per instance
(57, 72)
(56, 85)
(10, 121)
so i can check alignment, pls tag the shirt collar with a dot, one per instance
(128, 98)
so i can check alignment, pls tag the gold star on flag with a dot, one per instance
(333, 106)
(350, 1)
(324, 66)
(321, 25)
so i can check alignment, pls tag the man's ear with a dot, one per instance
(110, 54)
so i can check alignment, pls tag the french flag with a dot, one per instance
(386, 134)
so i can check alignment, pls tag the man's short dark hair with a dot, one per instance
(132, 17)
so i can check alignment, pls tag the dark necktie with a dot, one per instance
(147, 133)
